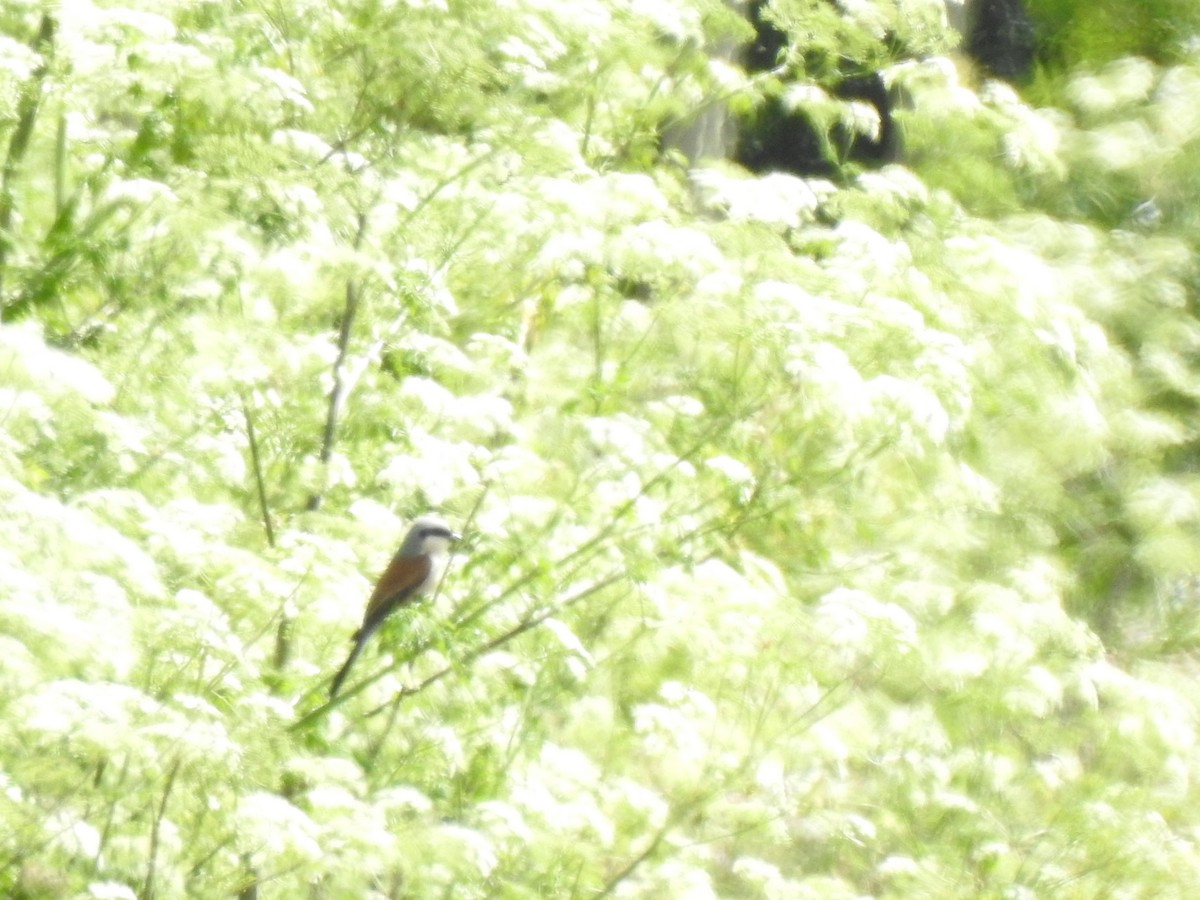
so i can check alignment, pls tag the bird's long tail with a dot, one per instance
(360, 638)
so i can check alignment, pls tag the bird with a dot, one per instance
(414, 570)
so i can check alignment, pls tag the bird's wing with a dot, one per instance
(403, 579)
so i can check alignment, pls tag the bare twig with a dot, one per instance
(530, 621)
(647, 852)
(27, 108)
(60, 166)
(340, 389)
(256, 466)
(155, 831)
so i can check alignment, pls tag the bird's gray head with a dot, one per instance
(428, 536)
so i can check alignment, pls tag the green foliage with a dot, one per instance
(1094, 32)
(820, 541)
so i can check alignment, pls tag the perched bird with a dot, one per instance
(413, 571)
